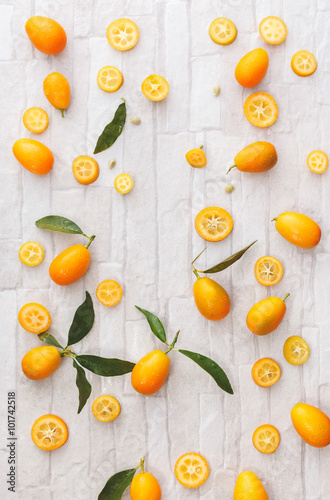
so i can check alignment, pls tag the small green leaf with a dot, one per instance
(212, 368)
(59, 224)
(155, 324)
(106, 367)
(227, 262)
(49, 339)
(84, 387)
(116, 485)
(82, 322)
(112, 131)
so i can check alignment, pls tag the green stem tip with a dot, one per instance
(201, 147)
(233, 166)
(173, 343)
(62, 112)
(142, 464)
(91, 239)
(285, 297)
(275, 218)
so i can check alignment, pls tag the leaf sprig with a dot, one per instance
(117, 484)
(62, 225)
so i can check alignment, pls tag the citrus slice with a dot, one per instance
(222, 31)
(191, 470)
(303, 63)
(261, 109)
(268, 271)
(317, 161)
(196, 158)
(34, 318)
(122, 34)
(106, 408)
(123, 183)
(213, 223)
(266, 438)
(273, 30)
(296, 350)
(155, 87)
(265, 372)
(35, 120)
(31, 253)
(85, 169)
(109, 292)
(49, 432)
(109, 79)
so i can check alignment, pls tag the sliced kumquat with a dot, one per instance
(34, 318)
(31, 253)
(109, 292)
(261, 109)
(213, 223)
(266, 438)
(35, 120)
(155, 87)
(268, 271)
(317, 161)
(49, 432)
(191, 470)
(196, 158)
(106, 408)
(296, 350)
(122, 34)
(303, 63)
(265, 372)
(109, 79)
(123, 183)
(273, 30)
(85, 169)
(222, 31)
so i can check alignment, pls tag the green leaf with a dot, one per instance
(212, 368)
(82, 322)
(155, 324)
(106, 367)
(112, 131)
(49, 339)
(59, 224)
(116, 485)
(227, 262)
(84, 387)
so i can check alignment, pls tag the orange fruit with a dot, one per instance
(265, 372)
(49, 432)
(261, 109)
(298, 229)
(249, 487)
(252, 68)
(34, 156)
(211, 299)
(273, 30)
(123, 183)
(222, 31)
(191, 470)
(106, 408)
(145, 487)
(47, 35)
(122, 34)
(150, 373)
(155, 87)
(257, 157)
(312, 425)
(303, 63)
(41, 362)
(57, 90)
(266, 315)
(35, 120)
(34, 318)
(70, 265)
(317, 161)
(196, 158)
(296, 350)
(109, 293)
(213, 223)
(109, 79)
(266, 438)
(85, 169)
(268, 271)
(31, 253)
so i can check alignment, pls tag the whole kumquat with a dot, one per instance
(249, 487)
(312, 425)
(41, 362)
(150, 373)
(145, 486)
(252, 68)
(298, 229)
(211, 299)
(257, 157)
(265, 316)
(34, 156)
(47, 35)
(70, 265)
(57, 91)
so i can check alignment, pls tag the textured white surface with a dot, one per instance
(146, 241)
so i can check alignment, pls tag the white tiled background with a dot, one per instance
(146, 240)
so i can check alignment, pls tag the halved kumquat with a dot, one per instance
(123, 183)
(35, 120)
(34, 318)
(268, 271)
(296, 350)
(317, 161)
(49, 432)
(222, 31)
(155, 87)
(85, 169)
(122, 34)
(106, 408)
(109, 292)
(273, 30)
(31, 253)
(266, 438)
(303, 63)
(261, 109)
(109, 79)
(191, 470)
(265, 372)
(213, 223)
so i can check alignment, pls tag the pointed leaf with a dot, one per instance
(106, 367)
(155, 324)
(212, 368)
(227, 262)
(116, 485)
(113, 130)
(84, 387)
(59, 224)
(49, 339)
(82, 322)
